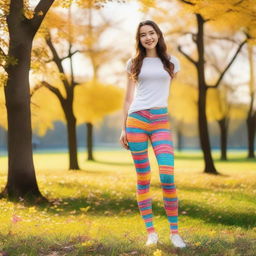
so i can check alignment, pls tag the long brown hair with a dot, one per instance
(161, 50)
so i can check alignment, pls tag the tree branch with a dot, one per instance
(75, 83)
(187, 2)
(229, 64)
(39, 13)
(193, 4)
(5, 57)
(187, 56)
(54, 90)
(2, 51)
(35, 88)
(48, 61)
(221, 38)
(70, 55)
(194, 36)
(235, 4)
(57, 60)
(217, 68)
(239, 2)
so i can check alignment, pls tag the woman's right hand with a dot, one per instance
(123, 140)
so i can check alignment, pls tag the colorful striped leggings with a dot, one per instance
(153, 124)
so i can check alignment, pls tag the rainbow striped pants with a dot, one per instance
(153, 124)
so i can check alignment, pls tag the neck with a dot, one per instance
(151, 53)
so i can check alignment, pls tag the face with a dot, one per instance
(148, 37)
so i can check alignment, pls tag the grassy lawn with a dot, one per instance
(94, 210)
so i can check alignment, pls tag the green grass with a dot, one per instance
(94, 210)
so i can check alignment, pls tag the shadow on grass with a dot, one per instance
(221, 190)
(211, 216)
(106, 204)
(16, 245)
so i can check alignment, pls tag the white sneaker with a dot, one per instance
(177, 241)
(152, 238)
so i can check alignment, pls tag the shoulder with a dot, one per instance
(175, 61)
(128, 64)
(129, 61)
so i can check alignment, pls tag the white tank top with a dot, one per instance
(152, 88)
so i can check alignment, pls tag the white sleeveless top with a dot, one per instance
(152, 88)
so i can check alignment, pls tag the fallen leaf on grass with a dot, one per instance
(85, 209)
(15, 219)
(157, 253)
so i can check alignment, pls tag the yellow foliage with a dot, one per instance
(183, 102)
(85, 209)
(216, 105)
(157, 252)
(3, 78)
(54, 77)
(87, 4)
(40, 55)
(52, 20)
(3, 111)
(168, 21)
(63, 3)
(238, 112)
(93, 100)
(29, 14)
(4, 6)
(146, 4)
(45, 109)
(225, 15)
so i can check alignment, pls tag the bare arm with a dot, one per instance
(128, 98)
(127, 102)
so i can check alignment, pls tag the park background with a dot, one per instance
(78, 197)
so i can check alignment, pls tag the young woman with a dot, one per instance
(146, 117)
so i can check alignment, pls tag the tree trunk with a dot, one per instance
(72, 141)
(223, 137)
(251, 129)
(90, 141)
(251, 116)
(21, 180)
(202, 120)
(66, 103)
(179, 139)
